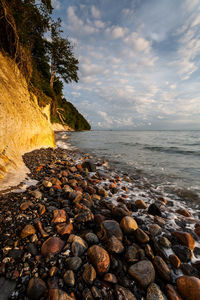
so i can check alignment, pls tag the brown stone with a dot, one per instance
(89, 274)
(128, 224)
(51, 246)
(111, 228)
(41, 209)
(56, 294)
(162, 268)
(172, 294)
(183, 212)
(28, 230)
(175, 261)
(99, 258)
(39, 226)
(64, 228)
(59, 216)
(36, 288)
(143, 272)
(189, 287)
(155, 229)
(140, 204)
(141, 236)
(109, 277)
(185, 239)
(25, 205)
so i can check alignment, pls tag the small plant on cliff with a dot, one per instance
(63, 62)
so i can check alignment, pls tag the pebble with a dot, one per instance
(143, 272)
(52, 246)
(162, 268)
(109, 277)
(172, 293)
(140, 204)
(154, 292)
(27, 231)
(154, 210)
(99, 258)
(128, 224)
(111, 228)
(36, 288)
(69, 278)
(79, 246)
(114, 245)
(59, 216)
(155, 229)
(175, 261)
(89, 274)
(185, 239)
(91, 238)
(141, 236)
(189, 287)
(183, 252)
(73, 263)
(122, 293)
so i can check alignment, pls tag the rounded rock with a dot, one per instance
(143, 272)
(154, 293)
(51, 246)
(36, 288)
(99, 258)
(27, 231)
(128, 224)
(189, 287)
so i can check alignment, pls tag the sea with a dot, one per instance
(168, 161)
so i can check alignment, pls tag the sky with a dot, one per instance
(139, 62)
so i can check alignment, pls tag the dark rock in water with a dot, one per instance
(196, 252)
(154, 210)
(196, 264)
(189, 270)
(36, 288)
(175, 261)
(172, 294)
(89, 164)
(114, 245)
(164, 242)
(154, 293)
(73, 263)
(143, 272)
(141, 236)
(111, 228)
(7, 287)
(183, 252)
(16, 253)
(69, 278)
(132, 254)
(122, 293)
(162, 268)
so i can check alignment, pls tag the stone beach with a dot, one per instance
(85, 231)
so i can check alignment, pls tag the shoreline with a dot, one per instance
(75, 210)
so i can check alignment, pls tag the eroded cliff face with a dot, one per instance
(23, 125)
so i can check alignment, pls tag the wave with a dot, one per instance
(172, 150)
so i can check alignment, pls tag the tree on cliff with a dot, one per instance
(63, 62)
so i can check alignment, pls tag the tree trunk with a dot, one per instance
(52, 76)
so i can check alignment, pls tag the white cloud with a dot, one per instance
(116, 32)
(95, 12)
(139, 43)
(99, 24)
(76, 25)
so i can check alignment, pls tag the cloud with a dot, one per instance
(95, 12)
(77, 25)
(116, 32)
(139, 43)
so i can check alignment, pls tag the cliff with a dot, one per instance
(24, 126)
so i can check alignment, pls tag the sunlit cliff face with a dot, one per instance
(23, 126)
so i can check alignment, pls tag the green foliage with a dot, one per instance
(62, 58)
(23, 24)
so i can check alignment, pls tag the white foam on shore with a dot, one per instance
(13, 179)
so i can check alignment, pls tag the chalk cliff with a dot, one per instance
(24, 126)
